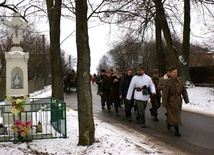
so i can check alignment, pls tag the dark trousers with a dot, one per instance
(109, 103)
(155, 100)
(141, 108)
(103, 100)
(128, 108)
(116, 104)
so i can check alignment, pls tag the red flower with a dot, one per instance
(14, 103)
(18, 123)
(27, 123)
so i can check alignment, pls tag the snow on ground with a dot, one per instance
(201, 100)
(109, 140)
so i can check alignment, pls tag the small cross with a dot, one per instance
(16, 24)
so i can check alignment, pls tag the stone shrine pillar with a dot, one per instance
(16, 73)
(16, 60)
(16, 68)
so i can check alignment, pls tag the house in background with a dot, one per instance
(201, 66)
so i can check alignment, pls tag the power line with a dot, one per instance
(67, 37)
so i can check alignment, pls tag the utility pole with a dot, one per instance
(43, 44)
(69, 60)
(44, 58)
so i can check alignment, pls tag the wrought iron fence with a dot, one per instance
(47, 115)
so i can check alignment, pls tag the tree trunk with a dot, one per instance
(159, 50)
(186, 41)
(84, 95)
(54, 15)
(167, 35)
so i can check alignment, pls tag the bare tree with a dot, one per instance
(161, 61)
(104, 63)
(38, 48)
(140, 16)
(166, 31)
(127, 53)
(84, 95)
(186, 42)
(54, 16)
(131, 52)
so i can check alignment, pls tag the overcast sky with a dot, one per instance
(100, 39)
(99, 42)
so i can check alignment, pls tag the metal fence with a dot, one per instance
(47, 115)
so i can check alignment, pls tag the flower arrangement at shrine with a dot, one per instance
(18, 103)
(22, 128)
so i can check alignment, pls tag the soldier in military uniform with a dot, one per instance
(173, 91)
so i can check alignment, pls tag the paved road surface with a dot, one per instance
(197, 132)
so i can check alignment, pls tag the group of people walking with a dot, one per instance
(134, 91)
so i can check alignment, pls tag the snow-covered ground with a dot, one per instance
(109, 140)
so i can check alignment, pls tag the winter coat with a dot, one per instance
(156, 80)
(124, 85)
(105, 87)
(173, 91)
(115, 87)
(155, 99)
(98, 81)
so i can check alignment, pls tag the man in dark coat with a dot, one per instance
(99, 80)
(123, 89)
(105, 89)
(115, 83)
(173, 91)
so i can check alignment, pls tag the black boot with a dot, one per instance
(129, 116)
(138, 119)
(177, 131)
(151, 111)
(169, 126)
(143, 125)
(142, 118)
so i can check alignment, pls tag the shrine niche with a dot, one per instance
(17, 78)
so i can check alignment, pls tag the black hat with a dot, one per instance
(103, 71)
